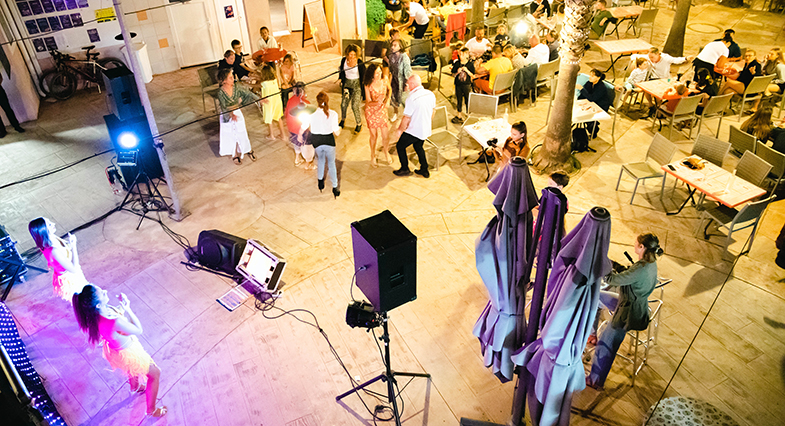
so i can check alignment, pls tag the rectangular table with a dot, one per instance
(656, 88)
(717, 183)
(621, 48)
(625, 13)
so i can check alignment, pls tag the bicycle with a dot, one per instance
(61, 81)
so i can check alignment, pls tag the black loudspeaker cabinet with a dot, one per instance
(388, 251)
(147, 157)
(220, 251)
(121, 94)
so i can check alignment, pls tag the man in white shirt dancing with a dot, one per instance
(415, 126)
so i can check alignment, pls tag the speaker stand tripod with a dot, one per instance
(149, 197)
(388, 375)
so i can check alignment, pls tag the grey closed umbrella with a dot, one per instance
(554, 358)
(502, 253)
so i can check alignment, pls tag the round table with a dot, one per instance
(685, 411)
(268, 55)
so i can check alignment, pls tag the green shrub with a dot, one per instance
(375, 14)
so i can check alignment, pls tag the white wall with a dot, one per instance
(153, 28)
(22, 95)
(295, 13)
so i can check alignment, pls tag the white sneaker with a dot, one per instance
(394, 117)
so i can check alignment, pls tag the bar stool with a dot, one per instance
(655, 310)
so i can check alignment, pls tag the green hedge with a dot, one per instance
(375, 14)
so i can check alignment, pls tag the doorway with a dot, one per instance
(279, 20)
(195, 41)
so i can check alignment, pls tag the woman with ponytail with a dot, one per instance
(61, 256)
(324, 128)
(630, 306)
(116, 328)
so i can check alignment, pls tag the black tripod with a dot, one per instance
(149, 197)
(388, 375)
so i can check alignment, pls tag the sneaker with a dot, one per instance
(341, 124)
(402, 172)
(457, 120)
(423, 172)
(358, 128)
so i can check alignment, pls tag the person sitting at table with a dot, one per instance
(539, 53)
(660, 63)
(478, 45)
(288, 75)
(711, 56)
(511, 53)
(418, 18)
(638, 75)
(734, 51)
(446, 9)
(672, 96)
(777, 136)
(239, 67)
(552, 41)
(706, 86)
(737, 82)
(596, 91)
(228, 62)
(773, 65)
(502, 38)
(349, 72)
(602, 17)
(266, 41)
(497, 65)
(517, 145)
(540, 8)
(759, 125)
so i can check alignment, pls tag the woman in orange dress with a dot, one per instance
(377, 95)
(116, 328)
(61, 256)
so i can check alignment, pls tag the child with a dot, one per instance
(673, 95)
(502, 39)
(273, 106)
(558, 180)
(463, 70)
(637, 75)
(456, 48)
(388, 26)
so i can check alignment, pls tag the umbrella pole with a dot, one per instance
(549, 208)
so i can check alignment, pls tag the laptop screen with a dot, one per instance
(261, 266)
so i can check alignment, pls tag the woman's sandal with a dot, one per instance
(593, 385)
(253, 157)
(237, 160)
(158, 412)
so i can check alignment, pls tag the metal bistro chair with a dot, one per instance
(419, 47)
(479, 105)
(711, 149)
(684, 111)
(646, 19)
(502, 86)
(209, 84)
(660, 152)
(618, 101)
(441, 137)
(445, 55)
(546, 75)
(753, 169)
(754, 91)
(715, 108)
(734, 220)
(776, 159)
(495, 17)
(741, 141)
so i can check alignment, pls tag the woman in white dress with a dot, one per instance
(234, 136)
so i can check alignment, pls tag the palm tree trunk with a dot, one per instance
(556, 150)
(674, 46)
(477, 16)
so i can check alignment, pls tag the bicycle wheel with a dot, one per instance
(110, 63)
(63, 85)
(46, 79)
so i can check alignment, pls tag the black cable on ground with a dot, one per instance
(55, 170)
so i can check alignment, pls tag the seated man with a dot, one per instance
(497, 65)
(228, 62)
(552, 40)
(239, 67)
(479, 44)
(659, 63)
(602, 18)
(266, 41)
(539, 53)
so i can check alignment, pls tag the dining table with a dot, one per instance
(717, 183)
(625, 13)
(620, 49)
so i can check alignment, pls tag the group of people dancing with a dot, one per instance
(115, 327)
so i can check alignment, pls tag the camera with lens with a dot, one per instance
(492, 142)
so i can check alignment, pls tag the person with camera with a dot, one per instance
(630, 305)
(517, 145)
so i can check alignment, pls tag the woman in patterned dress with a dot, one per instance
(234, 136)
(377, 99)
(400, 70)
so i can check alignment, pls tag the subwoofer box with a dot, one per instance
(220, 251)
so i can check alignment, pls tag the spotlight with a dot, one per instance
(128, 140)
(521, 27)
(361, 314)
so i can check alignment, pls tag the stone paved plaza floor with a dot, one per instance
(241, 368)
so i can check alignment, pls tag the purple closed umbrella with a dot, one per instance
(502, 253)
(554, 359)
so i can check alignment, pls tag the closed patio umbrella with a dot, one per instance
(502, 252)
(554, 359)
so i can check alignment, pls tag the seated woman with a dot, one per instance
(759, 125)
(630, 306)
(737, 82)
(596, 91)
(517, 145)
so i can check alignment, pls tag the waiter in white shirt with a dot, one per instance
(415, 126)
(659, 63)
(418, 18)
(710, 57)
(539, 53)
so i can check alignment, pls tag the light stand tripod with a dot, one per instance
(388, 375)
(149, 197)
